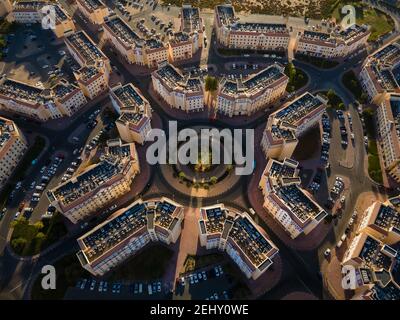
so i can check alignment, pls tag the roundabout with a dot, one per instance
(211, 175)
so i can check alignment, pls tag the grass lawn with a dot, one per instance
(30, 239)
(150, 264)
(68, 271)
(368, 115)
(316, 61)
(197, 262)
(380, 23)
(351, 82)
(32, 153)
(374, 166)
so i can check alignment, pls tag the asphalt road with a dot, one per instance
(16, 275)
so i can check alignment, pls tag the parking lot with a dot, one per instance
(101, 289)
(208, 284)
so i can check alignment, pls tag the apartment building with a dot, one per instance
(133, 48)
(380, 73)
(247, 96)
(193, 25)
(68, 97)
(376, 265)
(284, 126)
(94, 10)
(284, 199)
(34, 12)
(236, 234)
(127, 231)
(337, 44)
(381, 221)
(388, 127)
(180, 47)
(13, 145)
(92, 80)
(86, 193)
(178, 90)
(20, 98)
(5, 7)
(134, 122)
(233, 33)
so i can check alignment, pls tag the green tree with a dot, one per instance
(181, 175)
(213, 180)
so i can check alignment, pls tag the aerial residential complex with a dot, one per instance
(381, 72)
(285, 200)
(233, 33)
(134, 122)
(388, 116)
(236, 234)
(339, 43)
(127, 231)
(178, 90)
(62, 100)
(134, 49)
(12, 147)
(245, 97)
(31, 12)
(87, 192)
(290, 122)
(94, 10)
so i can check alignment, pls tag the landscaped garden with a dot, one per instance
(351, 82)
(29, 239)
(297, 78)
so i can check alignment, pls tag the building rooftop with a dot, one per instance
(7, 131)
(22, 92)
(112, 163)
(92, 4)
(255, 83)
(28, 5)
(190, 18)
(85, 47)
(175, 80)
(298, 109)
(372, 253)
(284, 182)
(126, 223)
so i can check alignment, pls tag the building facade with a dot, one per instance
(245, 97)
(179, 91)
(287, 124)
(284, 199)
(134, 122)
(84, 194)
(236, 234)
(233, 33)
(127, 231)
(337, 44)
(13, 146)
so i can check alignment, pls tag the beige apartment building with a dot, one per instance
(284, 199)
(88, 192)
(134, 122)
(235, 34)
(27, 12)
(133, 48)
(236, 234)
(40, 104)
(178, 90)
(333, 45)
(380, 71)
(288, 123)
(94, 10)
(13, 146)
(127, 231)
(387, 116)
(245, 97)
